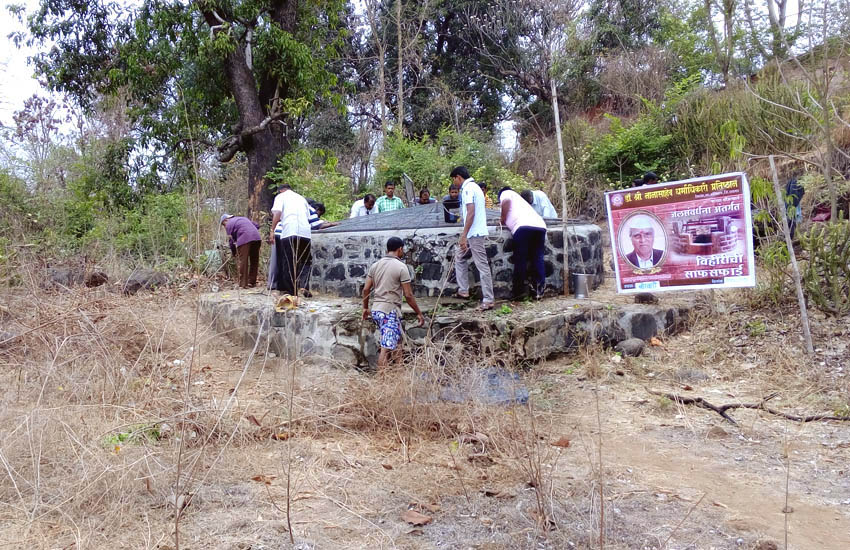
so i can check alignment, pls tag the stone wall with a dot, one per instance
(331, 329)
(341, 259)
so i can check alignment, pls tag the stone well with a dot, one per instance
(343, 254)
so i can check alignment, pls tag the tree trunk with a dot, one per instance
(382, 85)
(400, 69)
(262, 155)
(263, 146)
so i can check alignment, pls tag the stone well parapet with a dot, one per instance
(341, 259)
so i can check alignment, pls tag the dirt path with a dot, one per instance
(750, 504)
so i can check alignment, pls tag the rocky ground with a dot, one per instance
(102, 415)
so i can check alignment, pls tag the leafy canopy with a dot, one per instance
(176, 63)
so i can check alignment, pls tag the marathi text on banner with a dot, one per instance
(680, 235)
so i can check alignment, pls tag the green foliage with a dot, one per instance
(706, 119)
(136, 435)
(313, 174)
(428, 162)
(826, 277)
(775, 273)
(156, 229)
(627, 152)
(19, 216)
(172, 62)
(756, 328)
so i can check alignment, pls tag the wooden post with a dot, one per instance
(562, 177)
(795, 270)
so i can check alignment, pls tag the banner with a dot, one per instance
(682, 235)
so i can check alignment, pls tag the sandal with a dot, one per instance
(486, 306)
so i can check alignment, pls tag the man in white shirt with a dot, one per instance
(473, 237)
(291, 237)
(540, 202)
(363, 207)
(642, 235)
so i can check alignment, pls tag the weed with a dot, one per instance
(505, 310)
(843, 410)
(756, 328)
(143, 433)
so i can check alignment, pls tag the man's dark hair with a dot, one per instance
(283, 186)
(460, 171)
(319, 207)
(388, 183)
(454, 186)
(528, 196)
(394, 243)
(481, 184)
(637, 182)
(369, 197)
(502, 190)
(423, 191)
(649, 176)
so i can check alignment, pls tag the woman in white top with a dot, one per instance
(529, 242)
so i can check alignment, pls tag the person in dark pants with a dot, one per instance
(529, 235)
(793, 195)
(291, 236)
(245, 244)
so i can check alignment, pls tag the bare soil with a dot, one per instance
(100, 414)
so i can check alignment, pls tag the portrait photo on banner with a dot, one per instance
(642, 240)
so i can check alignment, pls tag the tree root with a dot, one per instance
(761, 405)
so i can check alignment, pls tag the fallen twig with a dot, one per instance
(761, 405)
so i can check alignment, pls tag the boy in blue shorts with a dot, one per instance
(389, 279)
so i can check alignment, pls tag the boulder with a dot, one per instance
(96, 278)
(144, 279)
(646, 298)
(65, 277)
(631, 347)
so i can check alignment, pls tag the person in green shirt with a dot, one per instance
(388, 201)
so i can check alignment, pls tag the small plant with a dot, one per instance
(842, 411)
(137, 434)
(664, 403)
(505, 310)
(756, 328)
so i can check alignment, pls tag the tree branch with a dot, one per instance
(233, 144)
(761, 405)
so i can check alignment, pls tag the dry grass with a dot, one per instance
(95, 405)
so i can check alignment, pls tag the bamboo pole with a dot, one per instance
(795, 269)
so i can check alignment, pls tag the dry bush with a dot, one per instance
(630, 77)
(94, 413)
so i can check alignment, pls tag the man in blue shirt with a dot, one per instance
(473, 237)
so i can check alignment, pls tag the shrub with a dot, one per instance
(627, 152)
(826, 277)
(313, 173)
(156, 230)
(428, 162)
(698, 132)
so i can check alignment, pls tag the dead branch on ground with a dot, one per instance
(761, 405)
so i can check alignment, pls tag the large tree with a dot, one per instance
(234, 74)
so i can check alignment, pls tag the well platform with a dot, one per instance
(330, 328)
